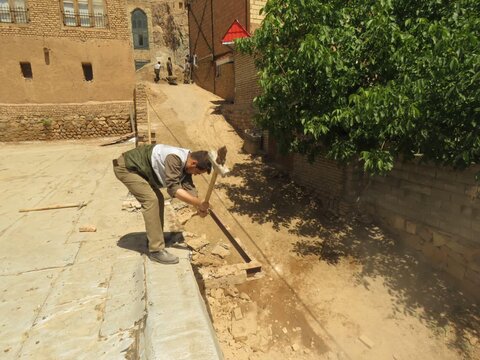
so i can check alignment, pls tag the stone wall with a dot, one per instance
(64, 121)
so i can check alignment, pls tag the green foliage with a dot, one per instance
(371, 79)
(47, 123)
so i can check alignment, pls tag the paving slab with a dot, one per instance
(21, 298)
(27, 242)
(178, 325)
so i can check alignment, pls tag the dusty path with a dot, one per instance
(333, 288)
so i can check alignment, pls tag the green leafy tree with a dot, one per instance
(371, 79)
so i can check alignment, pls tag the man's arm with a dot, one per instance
(185, 191)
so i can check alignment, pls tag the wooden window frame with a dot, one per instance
(145, 33)
(12, 13)
(92, 20)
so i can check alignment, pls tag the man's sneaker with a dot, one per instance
(164, 257)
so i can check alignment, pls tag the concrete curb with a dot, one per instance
(177, 326)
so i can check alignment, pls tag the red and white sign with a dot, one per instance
(236, 31)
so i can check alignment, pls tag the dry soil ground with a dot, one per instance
(333, 288)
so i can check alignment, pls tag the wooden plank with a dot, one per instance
(120, 139)
(235, 241)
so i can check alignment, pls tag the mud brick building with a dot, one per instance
(67, 69)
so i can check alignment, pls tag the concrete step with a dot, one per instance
(178, 325)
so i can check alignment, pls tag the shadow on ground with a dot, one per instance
(268, 195)
(138, 242)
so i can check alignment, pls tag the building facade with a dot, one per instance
(209, 20)
(159, 30)
(67, 69)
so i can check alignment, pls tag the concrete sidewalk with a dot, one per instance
(94, 295)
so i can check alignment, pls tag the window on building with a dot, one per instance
(84, 13)
(140, 63)
(13, 11)
(180, 5)
(139, 29)
(46, 55)
(87, 71)
(26, 68)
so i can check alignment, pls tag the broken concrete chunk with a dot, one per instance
(184, 215)
(231, 291)
(237, 313)
(87, 228)
(197, 243)
(131, 204)
(246, 326)
(206, 260)
(244, 296)
(366, 341)
(220, 251)
(225, 246)
(216, 293)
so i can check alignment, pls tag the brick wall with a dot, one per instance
(437, 212)
(209, 21)
(46, 21)
(434, 210)
(325, 177)
(255, 17)
(142, 116)
(66, 121)
(224, 82)
(240, 114)
(201, 42)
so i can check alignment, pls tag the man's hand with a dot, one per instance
(204, 206)
(203, 209)
(202, 213)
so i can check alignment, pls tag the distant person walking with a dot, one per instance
(156, 70)
(169, 67)
(187, 70)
